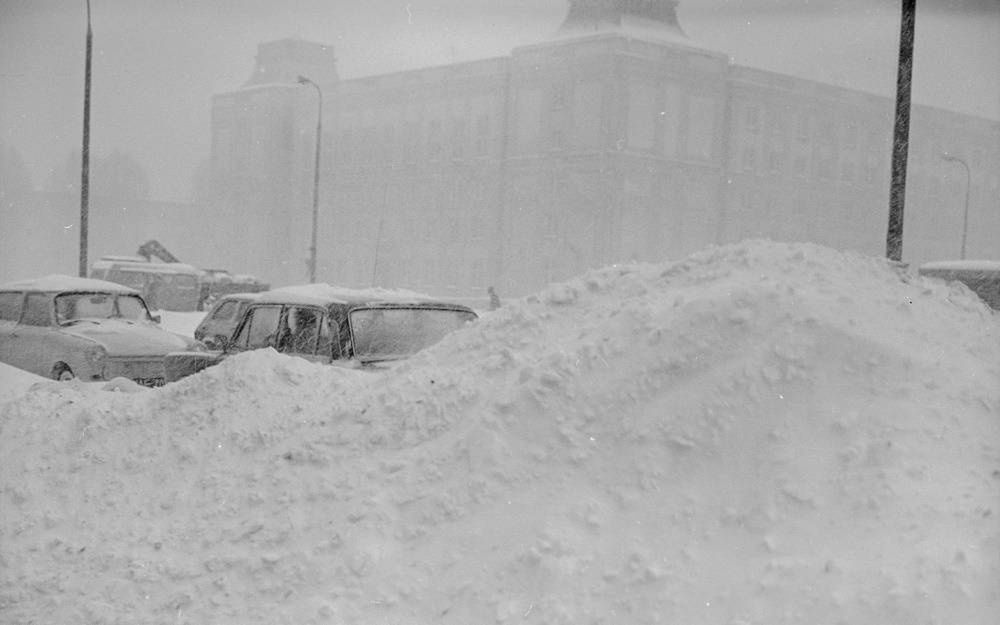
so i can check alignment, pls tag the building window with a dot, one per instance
(827, 132)
(871, 167)
(775, 123)
(775, 157)
(753, 119)
(458, 138)
(476, 227)
(670, 119)
(850, 137)
(550, 224)
(803, 128)
(389, 143)
(827, 165)
(701, 127)
(801, 165)
(558, 139)
(847, 171)
(529, 120)
(482, 135)
(642, 115)
(411, 141)
(560, 97)
(434, 139)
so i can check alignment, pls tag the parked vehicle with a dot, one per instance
(217, 283)
(164, 286)
(982, 276)
(330, 324)
(220, 322)
(64, 327)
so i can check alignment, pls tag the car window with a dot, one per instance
(225, 311)
(301, 330)
(132, 307)
(37, 310)
(260, 328)
(71, 306)
(134, 279)
(10, 306)
(393, 332)
(326, 343)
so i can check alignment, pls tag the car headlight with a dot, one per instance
(95, 356)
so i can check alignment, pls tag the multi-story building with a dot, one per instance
(616, 140)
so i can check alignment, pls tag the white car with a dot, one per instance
(64, 327)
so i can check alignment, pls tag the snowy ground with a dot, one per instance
(760, 434)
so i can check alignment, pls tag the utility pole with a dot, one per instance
(85, 155)
(901, 133)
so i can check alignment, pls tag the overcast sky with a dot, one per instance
(158, 62)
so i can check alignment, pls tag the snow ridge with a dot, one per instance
(760, 433)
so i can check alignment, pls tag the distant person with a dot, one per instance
(494, 298)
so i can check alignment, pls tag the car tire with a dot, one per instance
(62, 372)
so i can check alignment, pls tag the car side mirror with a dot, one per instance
(156, 318)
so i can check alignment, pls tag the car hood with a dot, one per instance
(129, 338)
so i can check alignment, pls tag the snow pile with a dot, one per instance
(760, 434)
(15, 382)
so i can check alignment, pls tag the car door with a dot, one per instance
(33, 344)
(259, 328)
(10, 314)
(306, 333)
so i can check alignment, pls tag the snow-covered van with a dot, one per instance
(982, 276)
(164, 286)
(329, 324)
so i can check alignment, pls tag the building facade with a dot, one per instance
(617, 140)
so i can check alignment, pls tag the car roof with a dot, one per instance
(131, 265)
(239, 297)
(58, 282)
(325, 295)
(989, 266)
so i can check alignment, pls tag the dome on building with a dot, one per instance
(656, 19)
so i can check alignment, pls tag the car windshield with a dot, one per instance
(74, 306)
(386, 333)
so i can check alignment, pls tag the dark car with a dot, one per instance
(981, 276)
(219, 323)
(330, 324)
(65, 327)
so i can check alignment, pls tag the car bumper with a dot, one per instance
(145, 371)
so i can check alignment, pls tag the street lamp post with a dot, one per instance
(968, 186)
(315, 208)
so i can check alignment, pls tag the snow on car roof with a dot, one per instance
(962, 265)
(132, 265)
(58, 282)
(239, 296)
(322, 294)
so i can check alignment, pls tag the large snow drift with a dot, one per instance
(760, 434)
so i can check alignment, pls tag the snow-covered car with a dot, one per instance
(64, 327)
(219, 323)
(981, 276)
(330, 324)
